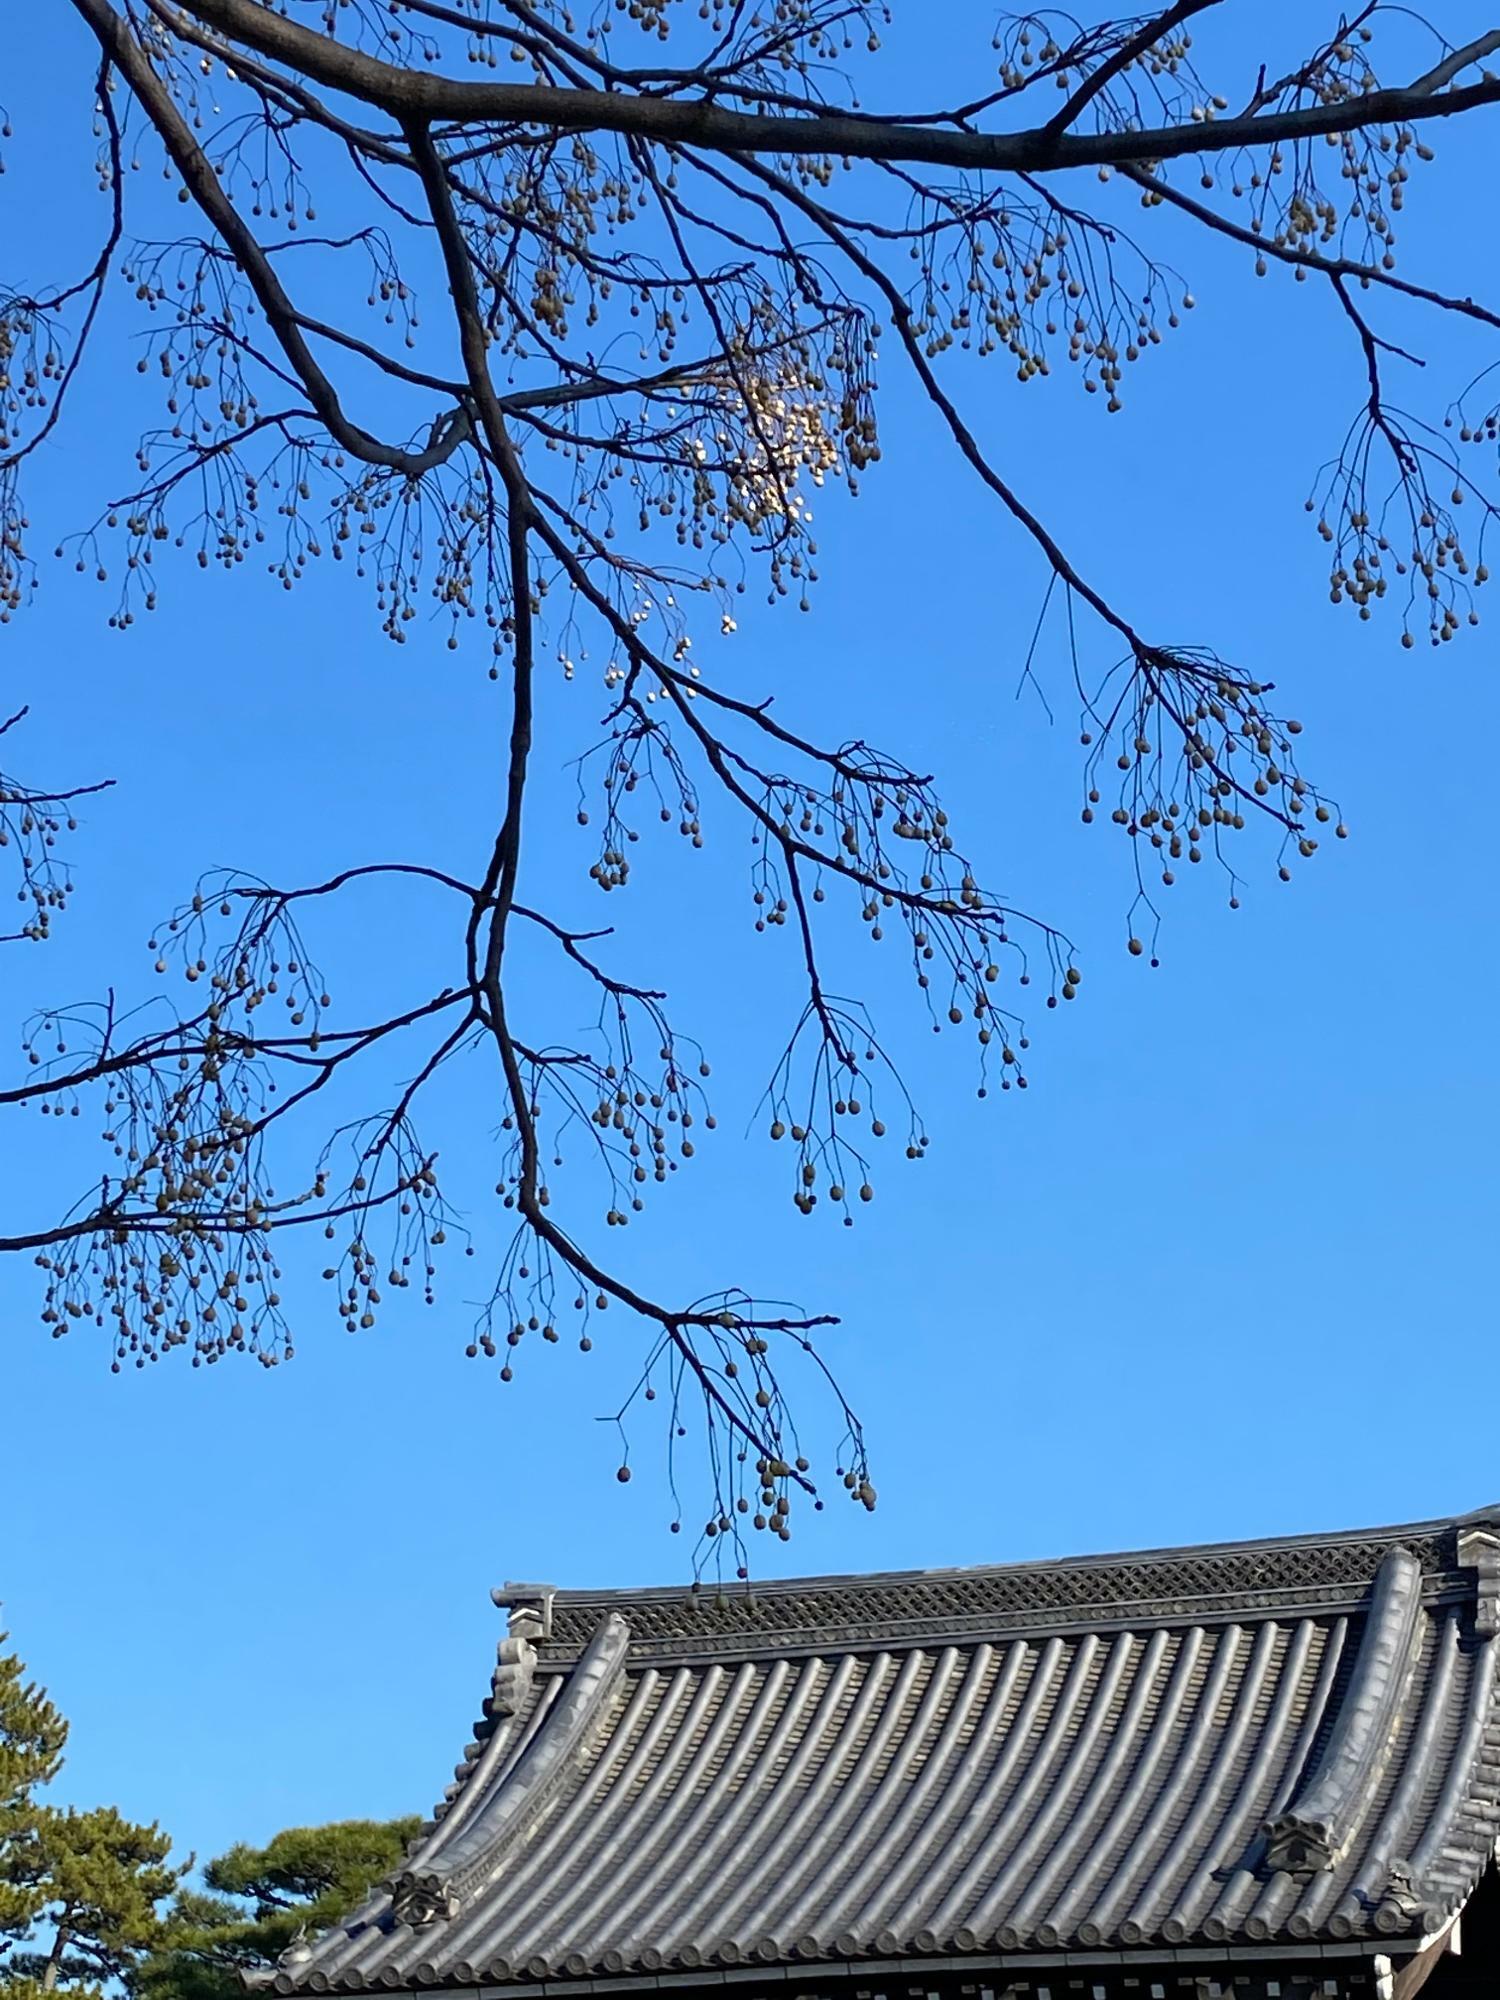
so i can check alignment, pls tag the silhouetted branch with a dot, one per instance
(666, 287)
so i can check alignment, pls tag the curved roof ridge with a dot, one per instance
(435, 1875)
(1313, 1830)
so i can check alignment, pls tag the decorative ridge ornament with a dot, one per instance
(1479, 1550)
(422, 1898)
(530, 1607)
(511, 1681)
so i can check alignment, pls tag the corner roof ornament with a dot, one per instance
(1479, 1550)
(530, 1607)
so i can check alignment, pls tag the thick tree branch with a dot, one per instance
(422, 95)
(198, 177)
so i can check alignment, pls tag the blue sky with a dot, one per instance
(1225, 1269)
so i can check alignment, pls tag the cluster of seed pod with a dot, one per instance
(16, 569)
(218, 1290)
(31, 823)
(32, 365)
(176, 1248)
(1031, 52)
(729, 455)
(791, 38)
(720, 1353)
(882, 836)
(512, 1313)
(529, 1296)
(641, 1125)
(31, 369)
(786, 404)
(757, 1469)
(1290, 207)
(1012, 275)
(1387, 509)
(197, 351)
(834, 1088)
(391, 1187)
(638, 757)
(1194, 752)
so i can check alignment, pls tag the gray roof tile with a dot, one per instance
(1293, 1743)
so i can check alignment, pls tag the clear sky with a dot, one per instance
(1226, 1269)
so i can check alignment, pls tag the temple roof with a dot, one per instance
(1289, 1745)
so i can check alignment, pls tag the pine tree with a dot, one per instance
(258, 1900)
(79, 1889)
(101, 1877)
(32, 1735)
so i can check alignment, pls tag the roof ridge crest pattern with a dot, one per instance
(1409, 1534)
(1293, 1573)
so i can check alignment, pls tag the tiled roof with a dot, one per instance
(1291, 1744)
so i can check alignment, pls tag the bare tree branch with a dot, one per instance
(420, 94)
(666, 290)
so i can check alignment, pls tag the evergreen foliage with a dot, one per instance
(79, 1889)
(256, 1901)
(32, 1735)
